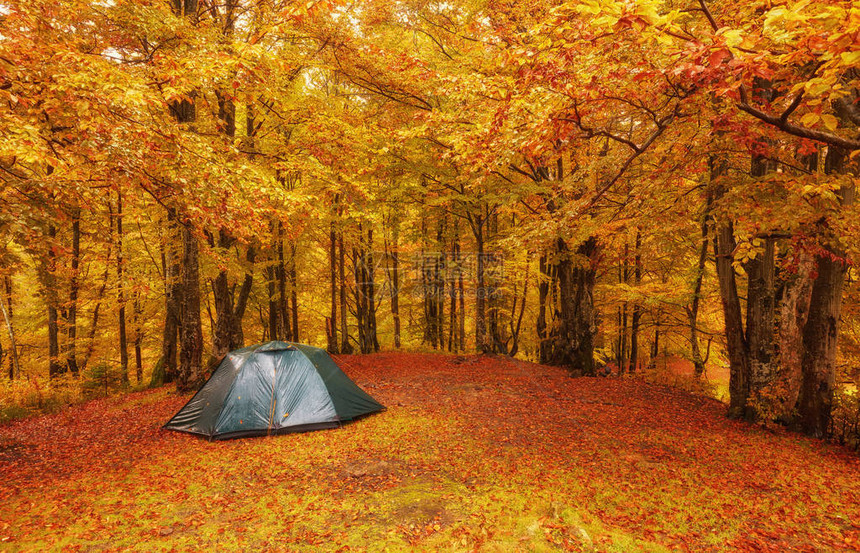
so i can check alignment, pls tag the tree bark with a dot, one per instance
(137, 312)
(331, 327)
(190, 329)
(345, 346)
(55, 367)
(394, 278)
(544, 334)
(14, 367)
(693, 309)
(120, 291)
(167, 368)
(637, 309)
(283, 300)
(821, 330)
(74, 290)
(294, 293)
(736, 345)
(575, 342)
(481, 342)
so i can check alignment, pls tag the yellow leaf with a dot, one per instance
(810, 119)
(850, 58)
(733, 37)
(816, 87)
(830, 121)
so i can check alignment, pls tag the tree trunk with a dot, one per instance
(345, 346)
(74, 289)
(624, 277)
(120, 291)
(516, 327)
(544, 332)
(14, 367)
(137, 312)
(371, 293)
(761, 312)
(167, 369)
(693, 310)
(188, 299)
(481, 342)
(451, 281)
(55, 367)
(394, 279)
(736, 345)
(229, 308)
(283, 300)
(637, 309)
(190, 329)
(821, 330)
(462, 294)
(331, 326)
(274, 321)
(294, 293)
(574, 345)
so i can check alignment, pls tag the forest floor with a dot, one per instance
(473, 453)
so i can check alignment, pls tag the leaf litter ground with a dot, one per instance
(474, 453)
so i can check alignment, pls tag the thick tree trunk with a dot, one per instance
(736, 345)
(188, 296)
(819, 347)
(761, 312)
(574, 345)
(821, 330)
(190, 329)
(167, 368)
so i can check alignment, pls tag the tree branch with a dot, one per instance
(802, 132)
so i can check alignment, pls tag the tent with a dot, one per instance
(273, 388)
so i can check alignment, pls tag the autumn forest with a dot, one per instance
(657, 192)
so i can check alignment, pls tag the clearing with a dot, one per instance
(474, 453)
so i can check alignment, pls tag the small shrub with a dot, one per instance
(101, 380)
(845, 417)
(37, 395)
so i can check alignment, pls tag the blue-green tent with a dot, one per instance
(273, 388)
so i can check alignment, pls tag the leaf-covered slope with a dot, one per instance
(473, 453)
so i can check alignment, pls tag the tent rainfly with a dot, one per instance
(273, 388)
